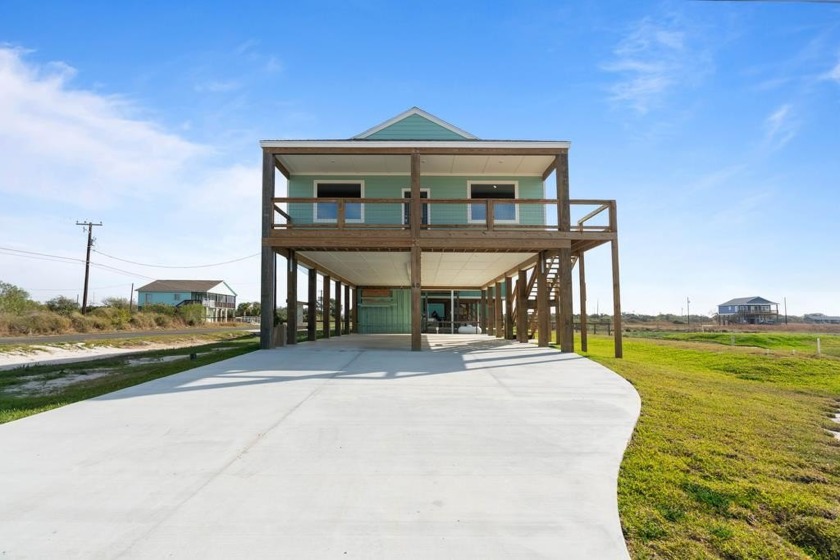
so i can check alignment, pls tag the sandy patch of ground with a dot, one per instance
(68, 353)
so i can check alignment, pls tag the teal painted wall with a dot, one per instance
(394, 318)
(382, 186)
(165, 298)
(415, 127)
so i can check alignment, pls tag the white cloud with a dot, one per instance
(68, 153)
(653, 60)
(218, 86)
(780, 127)
(834, 73)
(77, 146)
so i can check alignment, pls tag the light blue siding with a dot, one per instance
(379, 186)
(164, 298)
(415, 127)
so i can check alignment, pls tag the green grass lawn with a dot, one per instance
(731, 457)
(18, 399)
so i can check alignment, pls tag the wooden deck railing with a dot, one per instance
(438, 213)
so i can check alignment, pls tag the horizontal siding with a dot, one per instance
(415, 127)
(381, 186)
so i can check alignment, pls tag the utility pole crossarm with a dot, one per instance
(89, 226)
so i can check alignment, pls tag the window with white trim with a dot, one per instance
(502, 212)
(328, 211)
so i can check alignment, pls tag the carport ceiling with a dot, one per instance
(371, 268)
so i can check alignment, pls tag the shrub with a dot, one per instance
(80, 323)
(116, 302)
(143, 320)
(192, 313)
(117, 318)
(159, 308)
(62, 305)
(38, 322)
(15, 300)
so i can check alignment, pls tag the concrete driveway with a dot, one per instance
(346, 448)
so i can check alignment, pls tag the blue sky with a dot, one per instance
(715, 125)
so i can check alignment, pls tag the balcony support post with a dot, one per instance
(291, 298)
(491, 310)
(522, 307)
(584, 344)
(619, 350)
(543, 308)
(498, 310)
(416, 303)
(338, 308)
(267, 272)
(347, 308)
(414, 218)
(508, 308)
(565, 318)
(311, 312)
(325, 306)
(482, 311)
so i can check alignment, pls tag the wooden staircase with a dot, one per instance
(553, 278)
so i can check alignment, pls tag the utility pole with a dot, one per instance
(688, 312)
(89, 226)
(785, 310)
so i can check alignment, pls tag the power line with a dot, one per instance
(76, 287)
(71, 260)
(168, 266)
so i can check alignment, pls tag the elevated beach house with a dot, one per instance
(218, 299)
(418, 226)
(754, 310)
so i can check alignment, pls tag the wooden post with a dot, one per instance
(267, 278)
(482, 311)
(508, 308)
(291, 298)
(491, 310)
(561, 175)
(498, 310)
(416, 290)
(338, 308)
(414, 219)
(584, 345)
(558, 317)
(311, 315)
(347, 308)
(355, 309)
(522, 307)
(325, 306)
(565, 317)
(415, 211)
(619, 350)
(543, 309)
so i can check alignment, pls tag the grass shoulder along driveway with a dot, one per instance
(732, 456)
(29, 390)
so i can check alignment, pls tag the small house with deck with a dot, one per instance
(218, 299)
(748, 310)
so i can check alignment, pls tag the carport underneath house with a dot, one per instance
(417, 226)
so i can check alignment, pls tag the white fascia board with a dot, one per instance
(222, 288)
(407, 144)
(416, 111)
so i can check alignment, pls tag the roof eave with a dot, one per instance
(374, 145)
